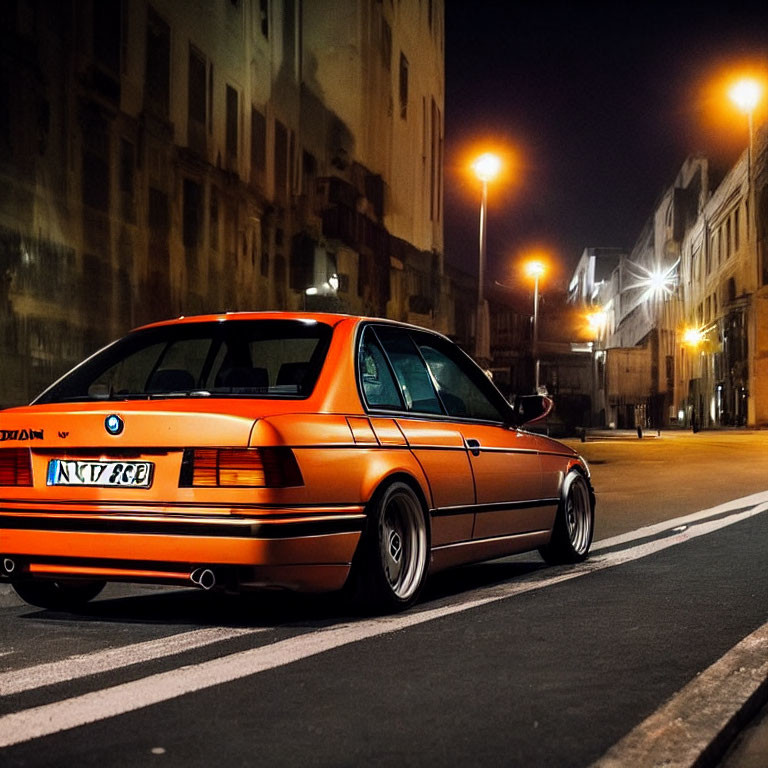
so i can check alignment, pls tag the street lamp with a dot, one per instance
(746, 94)
(535, 269)
(487, 167)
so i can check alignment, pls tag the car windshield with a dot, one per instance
(233, 358)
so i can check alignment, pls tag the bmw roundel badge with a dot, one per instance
(114, 424)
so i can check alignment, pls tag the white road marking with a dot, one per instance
(694, 517)
(58, 716)
(677, 734)
(86, 664)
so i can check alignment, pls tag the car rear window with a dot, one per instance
(233, 358)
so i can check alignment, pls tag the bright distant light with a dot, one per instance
(535, 268)
(657, 283)
(597, 320)
(487, 166)
(745, 94)
(692, 337)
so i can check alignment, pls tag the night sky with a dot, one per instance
(600, 104)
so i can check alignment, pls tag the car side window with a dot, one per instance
(411, 372)
(461, 388)
(379, 386)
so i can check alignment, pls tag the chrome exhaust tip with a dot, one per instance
(204, 578)
(9, 565)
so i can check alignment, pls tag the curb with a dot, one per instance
(695, 728)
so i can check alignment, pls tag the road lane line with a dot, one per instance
(694, 517)
(701, 714)
(82, 665)
(98, 705)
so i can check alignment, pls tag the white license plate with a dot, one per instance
(102, 474)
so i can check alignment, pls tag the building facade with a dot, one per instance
(685, 334)
(162, 158)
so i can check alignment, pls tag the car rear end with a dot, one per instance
(179, 485)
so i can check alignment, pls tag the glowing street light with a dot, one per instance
(745, 94)
(486, 167)
(692, 337)
(597, 320)
(535, 269)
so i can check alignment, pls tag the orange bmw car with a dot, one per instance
(302, 451)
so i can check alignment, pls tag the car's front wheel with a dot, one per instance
(391, 563)
(574, 523)
(57, 595)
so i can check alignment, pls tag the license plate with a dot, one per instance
(102, 474)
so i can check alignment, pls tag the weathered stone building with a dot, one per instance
(685, 340)
(163, 158)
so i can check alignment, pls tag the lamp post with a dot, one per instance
(486, 168)
(746, 94)
(597, 320)
(535, 269)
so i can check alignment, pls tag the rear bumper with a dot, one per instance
(306, 549)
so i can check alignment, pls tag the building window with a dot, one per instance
(264, 251)
(157, 86)
(403, 86)
(96, 176)
(5, 113)
(191, 215)
(210, 99)
(258, 145)
(127, 165)
(107, 18)
(213, 216)
(281, 159)
(264, 16)
(231, 140)
(196, 97)
(157, 212)
(736, 229)
(386, 45)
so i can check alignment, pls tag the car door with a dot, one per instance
(506, 464)
(395, 382)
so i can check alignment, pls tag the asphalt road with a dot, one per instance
(503, 663)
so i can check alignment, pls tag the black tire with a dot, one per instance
(391, 561)
(57, 595)
(574, 523)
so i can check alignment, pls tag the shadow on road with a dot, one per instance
(192, 608)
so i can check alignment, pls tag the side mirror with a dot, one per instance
(530, 408)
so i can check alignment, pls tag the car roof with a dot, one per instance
(329, 318)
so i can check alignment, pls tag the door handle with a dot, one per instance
(473, 446)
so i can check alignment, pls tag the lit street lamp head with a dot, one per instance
(745, 94)
(487, 167)
(597, 320)
(692, 337)
(535, 269)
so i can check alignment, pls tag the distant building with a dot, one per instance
(162, 158)
(685, 334)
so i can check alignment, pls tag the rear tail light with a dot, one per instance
(239, 468)
(15, 466)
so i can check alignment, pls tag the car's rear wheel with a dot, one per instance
(574, 523)
(391, 563)
(57, 594)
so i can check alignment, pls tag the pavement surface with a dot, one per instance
(503, 663)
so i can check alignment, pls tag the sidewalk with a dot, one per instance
(597, 433)
(750, 748)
